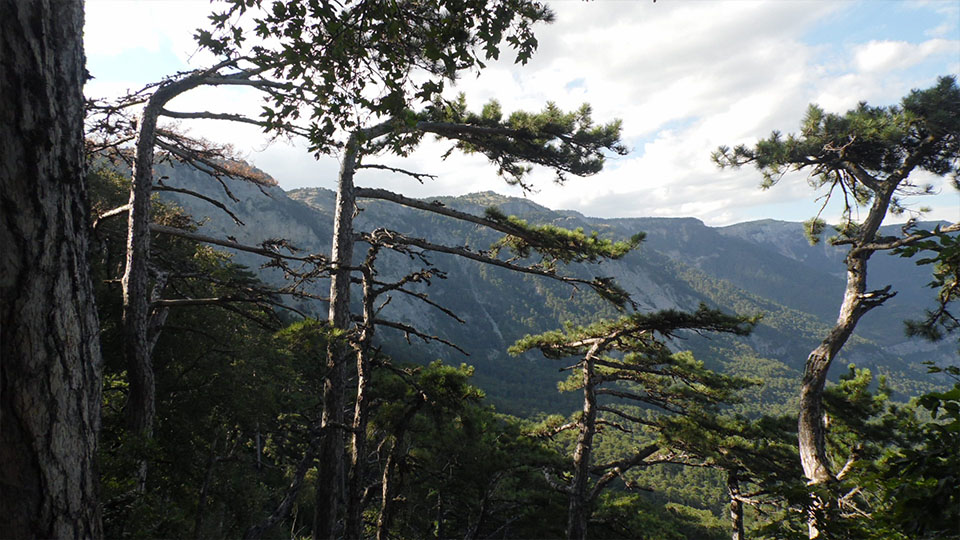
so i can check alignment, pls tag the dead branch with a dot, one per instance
(411, 331)
(173, 231)
(218, 204)
(419, 177)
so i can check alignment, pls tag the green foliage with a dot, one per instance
(857, 152)
(233, 400)
(635, 332)
(355, 59)
(632, 516)
(920, 482)
(813, 229)
(942, 250)
(464, 469)
(567, 142)
(631, 381)
(556, 244)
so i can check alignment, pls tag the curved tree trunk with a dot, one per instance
(811, 432)
(49, 337)
(141, 329)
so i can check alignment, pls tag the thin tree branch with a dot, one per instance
(415, 175)
(173, 231)
(409, 330)
(438, 208)
(218, 204)
(111, 213)
(389, 238)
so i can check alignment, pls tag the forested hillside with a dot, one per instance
(188, 350)
(749, 268)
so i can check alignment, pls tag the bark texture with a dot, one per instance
(361, 410)
(141, 400)
(49, 337)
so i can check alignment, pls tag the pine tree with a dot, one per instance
(369, 76)
(627, 361)
(49, 349)
(867, 156)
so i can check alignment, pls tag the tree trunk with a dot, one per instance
(811, 432)
(387, 486)
(358, 446)
(386, 494)
(49, 348)
(736, 506)
(141, 400)
(330, 474)
(578, 510)
(140, 330)
(137, 324)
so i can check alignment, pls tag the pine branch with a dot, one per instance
(388, 238)
(619, 468)
(906, 240)
(555, 483)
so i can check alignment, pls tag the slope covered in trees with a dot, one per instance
(229, 410)
(238, 409)
(681, 264)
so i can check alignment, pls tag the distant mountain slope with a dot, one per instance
(763, 266)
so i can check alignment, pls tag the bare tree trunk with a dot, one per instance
(387, 486)
(140, 330)
(331, 473)
(578, 511)
(141, 405)
(49, 348)
(358, 446)
(386, 494)
(141, 400)
(811, 432)
(736, 505)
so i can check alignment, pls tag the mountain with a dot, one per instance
(763, 267)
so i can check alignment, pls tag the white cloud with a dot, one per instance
(684, 77)
(891, 55)
(112, 26)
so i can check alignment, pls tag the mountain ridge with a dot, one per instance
(682, 263)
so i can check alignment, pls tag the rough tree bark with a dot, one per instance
(361, 412)
(49, 348)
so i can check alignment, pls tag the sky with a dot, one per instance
(683, 76)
